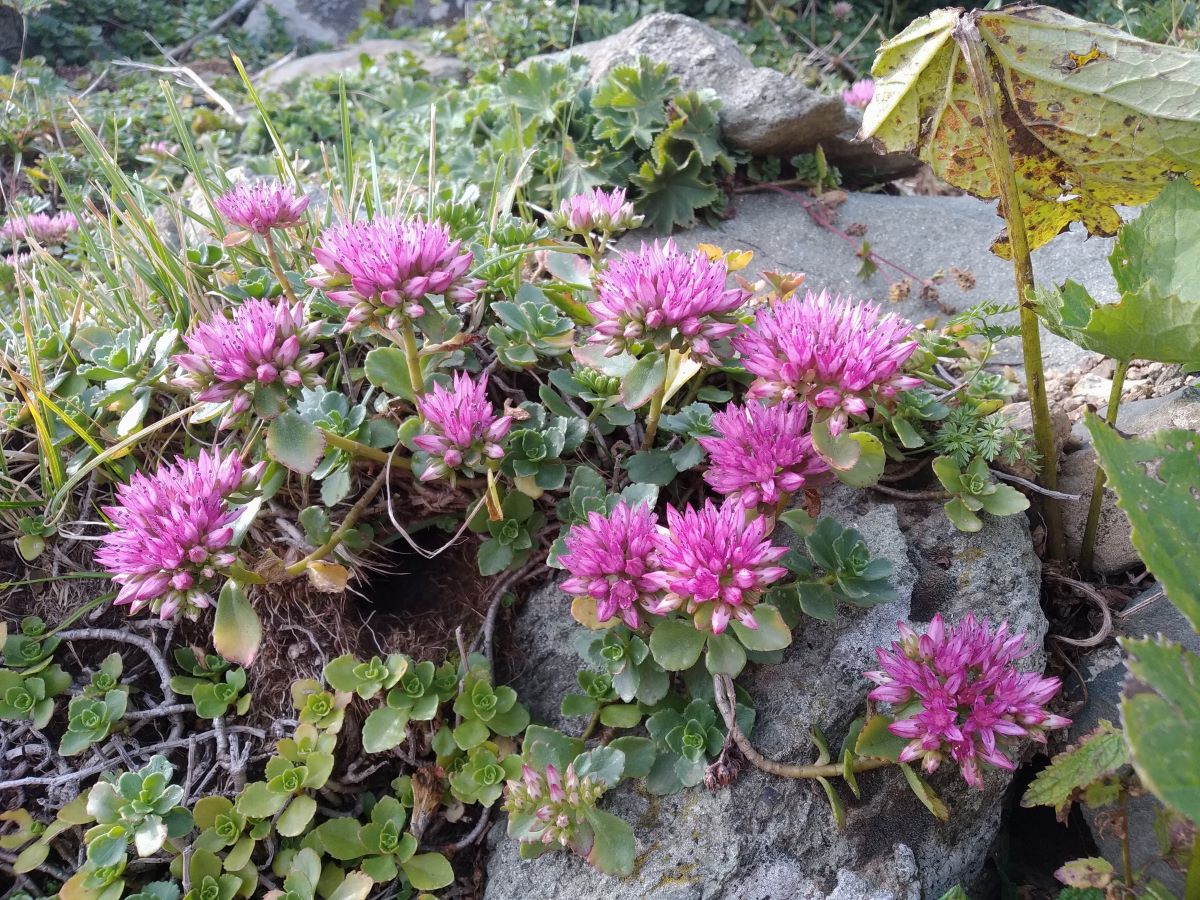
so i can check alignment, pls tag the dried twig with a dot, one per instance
(1106, 624)
(727, 704)
(1036, 488)
(474, 836)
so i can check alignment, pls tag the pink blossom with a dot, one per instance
(386, 267)
(859, 94)
(835, 354)
(971, 694)
(718, 562)
(596, 210)
(259, 206)
(162, 149)
(842, 10)
(44, 228)
(171, 543)
(461, 428)
(761, 454)
(262, 349)
(610, 558)
(663, 298)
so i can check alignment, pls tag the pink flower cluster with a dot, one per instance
(259, 206)
(971, 694)
(263, 347)
(558, 804)
(833, 353)
(712, 561)
(596, 210)
(610, 560)
(461, 429)
(859, 94)
(661, 297)
(172, 533)
(761, 454)
(386, 267)
(45, 228)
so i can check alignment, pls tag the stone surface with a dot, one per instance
(762, 111)
(310, 22)
(1114, 550)
(921, 235)
(766, 838)
(350, 59)
(425, 13)
(1104, 672)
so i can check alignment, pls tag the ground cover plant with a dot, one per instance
(254, 352)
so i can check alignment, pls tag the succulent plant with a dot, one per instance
(975, 489)
(552, 805)
(625, 656)
(483, 773)
(383, 848)
(31, 697)
(415, 696)
(213, 699)
(530, 328)
(687, 737)
(851, 574)
(316, 706)
(486, 709)
(29, 648)
(107, 677)
(536, 445)
(90, 721)
(351, 675)
(141, 806)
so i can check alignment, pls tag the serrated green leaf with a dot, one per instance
(671, 194)
(1101, 753)
(1162, 723)
(1155, 480)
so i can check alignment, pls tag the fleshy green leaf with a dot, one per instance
(725, 655)
(295, 442)
(772, 632)
(614, 847)
(647, 377)
(237, 631)
(676, 644)
(387, 369)
(428, 871)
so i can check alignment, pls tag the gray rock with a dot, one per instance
(1104, 673)
(350, 58)
(766, 838)
(919, 234)
(1114, 549)
(425, 13)
(762, 110)
(310, 22)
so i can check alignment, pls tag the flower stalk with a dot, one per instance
(277, 268)
(967, 37)
(655, 413)
(1087, 550)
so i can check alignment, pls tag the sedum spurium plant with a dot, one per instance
(342, 356)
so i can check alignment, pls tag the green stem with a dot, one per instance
(277, 267)
(412, 356)
(355, 448)
(967, 36)
(1088, 550)
(1191, 890)
(593, 723)
(299, 567)
(1126, 853)
(656, 407)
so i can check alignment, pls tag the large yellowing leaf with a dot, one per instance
(1094, 117)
